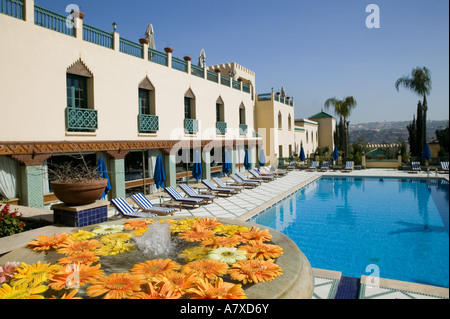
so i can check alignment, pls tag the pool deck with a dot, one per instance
(249, 203)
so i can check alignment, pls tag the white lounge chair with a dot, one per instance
(219, 190)
(257, 175)
(146, 206)
(221, 184)
(349, 165)
(325, 166)
(245, 179)
(192, 193)
(314, 166)
(249, 183)
(127, 211)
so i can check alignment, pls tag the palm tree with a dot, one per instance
(420, 83)
(342, 108)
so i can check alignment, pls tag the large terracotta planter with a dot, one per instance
(77, 194)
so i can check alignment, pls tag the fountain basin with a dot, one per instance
(296, 282)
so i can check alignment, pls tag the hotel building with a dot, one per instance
(71, 90)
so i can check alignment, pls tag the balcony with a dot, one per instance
(191, 126)
(81, 120)
(221, 128)
(148, 123)
(243, 129)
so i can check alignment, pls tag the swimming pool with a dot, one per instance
(385, 227)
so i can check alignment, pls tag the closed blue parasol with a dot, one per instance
(197, 167)
(262, 157)
(158, 175)
(335, 153)
(302, 154)
(103, 172)
(226, 165)
(426, 154)
(247, 164)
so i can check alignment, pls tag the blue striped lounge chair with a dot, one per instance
(314, 166)
(257, 176)
(245, 179)
(176, 197)
(444, 167)
(127, 211)
(292, 165)
(146, 206)
(221, 184)
(325, 166)
(220, 191)
(415, 167)
(192, 193)
(349, 165)
(238, 181)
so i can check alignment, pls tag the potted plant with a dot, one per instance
(168, 50)
(187, 58)
(76, 185)
(144, 41)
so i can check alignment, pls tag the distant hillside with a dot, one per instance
(390, 132)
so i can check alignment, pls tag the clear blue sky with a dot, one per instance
(316, 49)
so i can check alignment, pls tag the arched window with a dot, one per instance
(191, 125)
(280, 121)
(289, 123)
(147, 119)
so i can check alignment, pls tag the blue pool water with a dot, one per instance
(384, 227)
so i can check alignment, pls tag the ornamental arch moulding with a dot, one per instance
(80, 68)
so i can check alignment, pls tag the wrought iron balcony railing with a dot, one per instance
(243, 129)
(148, 123)
(221, 128)
(81, 120)
(191, 126)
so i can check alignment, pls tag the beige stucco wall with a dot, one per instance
(33, 64)
(309, 137)
(327, 128)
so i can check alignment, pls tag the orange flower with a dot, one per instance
(163, 292)
(135, 224)
(116, 286)
(70, 247)
(259, 250)
(220, 290)
(208, 223)
(84, 257)
(254, 234)
(254, 271)
(216, 242)
(71, 295)
(47, 242)
(75, 276)
(208, 268)
(151, 268)
(198, 233)
(178, 282)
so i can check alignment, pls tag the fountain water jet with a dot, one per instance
(156, 241)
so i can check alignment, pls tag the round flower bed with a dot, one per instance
(217, 260)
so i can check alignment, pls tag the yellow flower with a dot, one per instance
(112, 238)
(194, 253)
(22, 292)
(81, 235)
(229, 230)
(114, 248)
(33, 275)
(108, 229)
